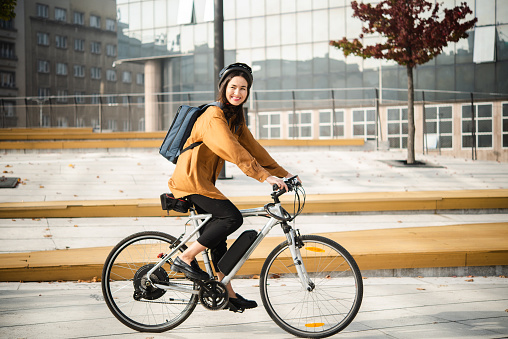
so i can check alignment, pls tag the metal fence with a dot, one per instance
(126, 112)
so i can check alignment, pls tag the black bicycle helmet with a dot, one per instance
(235, 67)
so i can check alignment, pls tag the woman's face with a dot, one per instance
(236, 92)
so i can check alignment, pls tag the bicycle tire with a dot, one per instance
(330, 306)
(159, 310)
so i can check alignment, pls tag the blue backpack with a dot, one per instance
(180, 130)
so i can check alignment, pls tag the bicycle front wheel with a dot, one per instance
(131, 299)
(329, 306)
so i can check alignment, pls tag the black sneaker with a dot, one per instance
(193, 272)
(239, 304)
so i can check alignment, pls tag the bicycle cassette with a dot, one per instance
(213, 295)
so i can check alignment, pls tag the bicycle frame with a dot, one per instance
(260, 211)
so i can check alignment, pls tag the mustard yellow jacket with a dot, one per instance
(197, 169)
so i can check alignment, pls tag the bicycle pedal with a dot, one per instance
(235, 309)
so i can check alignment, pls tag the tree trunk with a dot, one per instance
(410, 117)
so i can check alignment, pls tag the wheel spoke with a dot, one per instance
(131, 299)
(330, 306)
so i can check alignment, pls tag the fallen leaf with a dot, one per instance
(255, 276)
(470, 280)
(420, 289)
(75, 225)
(41, 186)
(71, 165)
(47, 235)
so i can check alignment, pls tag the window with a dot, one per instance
(62, 95)
(300, 124)
(111, 100)
(95, 21)
(7, 79)
(61, 122)
(79, 97)
(111, 50)
(110, 25)
(439, 124)
(111, 75)
(42, 66)
(43, 92)
(95, 73)
(79, 18)
(140, 101)
(482, 126)
(364, 123)
(127, 77)
(60, 41)
(80, 122)
(269, 125)
(8, 108)
(397, 127)
(61, 68)
(95, 47)
(505, 125)
(112, 125)
(42, 11)
(7, 50)
(79, 45)
(95, 99)
(79, 71)
(140, 79)
(331, 125)
(484, 44)
(7, 24)
(43, 39)
(60, 14)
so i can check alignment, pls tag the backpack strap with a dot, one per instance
(202, 108)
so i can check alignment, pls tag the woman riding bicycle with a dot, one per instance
(225, 137)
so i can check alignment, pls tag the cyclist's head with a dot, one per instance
(238, 69)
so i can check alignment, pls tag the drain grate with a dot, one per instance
(6, 182)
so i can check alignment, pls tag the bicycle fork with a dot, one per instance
(294, 247)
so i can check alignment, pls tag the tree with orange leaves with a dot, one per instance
(414, 32)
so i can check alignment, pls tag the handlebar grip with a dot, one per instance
(275, 187)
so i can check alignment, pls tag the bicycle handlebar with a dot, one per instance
(291, 183)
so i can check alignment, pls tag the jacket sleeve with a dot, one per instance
(220, 140)
(248, 141)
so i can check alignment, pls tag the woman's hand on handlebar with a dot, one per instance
(289, 176)
(277, 181)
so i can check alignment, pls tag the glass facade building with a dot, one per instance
(286, 42)
(305, 88)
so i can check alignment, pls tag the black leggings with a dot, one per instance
(226, 219)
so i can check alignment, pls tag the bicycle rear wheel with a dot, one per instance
(330, 306)
(138, 306)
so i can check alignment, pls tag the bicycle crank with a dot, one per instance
(213, 295)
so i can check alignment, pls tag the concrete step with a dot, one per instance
(318, 203)
(465, 245)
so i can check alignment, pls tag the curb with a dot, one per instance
(318, 203)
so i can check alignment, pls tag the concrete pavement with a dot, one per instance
(405, 308)
(462, 307)
(118, 175)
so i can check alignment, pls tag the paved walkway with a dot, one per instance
(463, 307)
(119, 175)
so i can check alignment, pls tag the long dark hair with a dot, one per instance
(231, 111)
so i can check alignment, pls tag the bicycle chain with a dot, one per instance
(161, 302)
